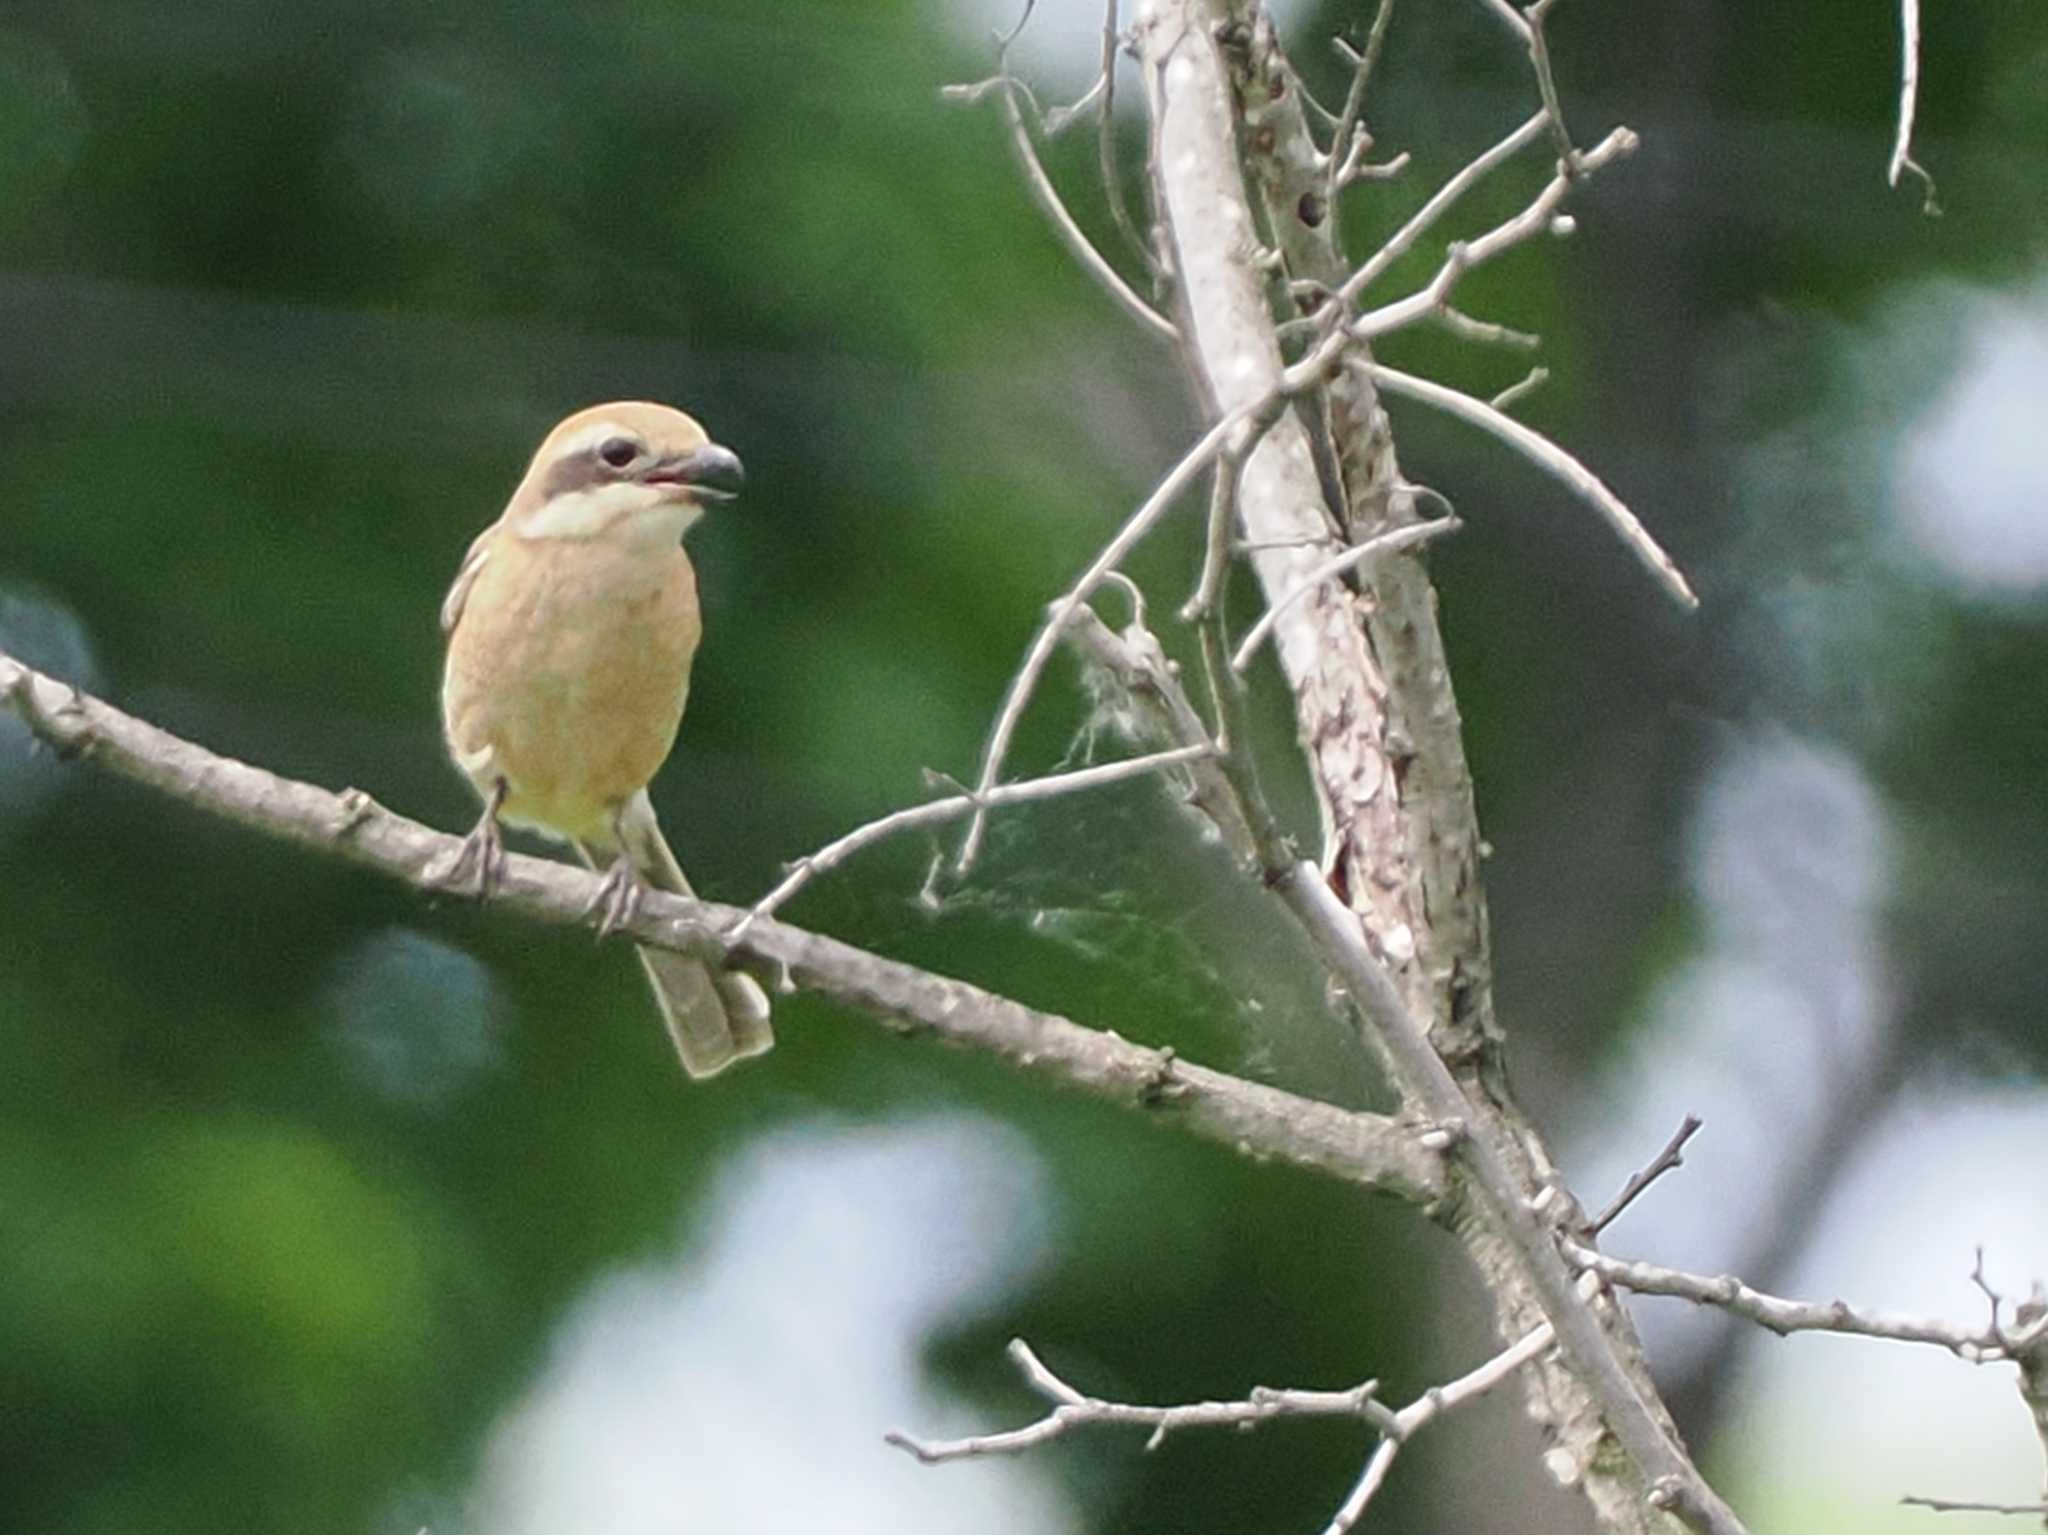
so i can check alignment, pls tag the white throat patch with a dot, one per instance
(642, 510)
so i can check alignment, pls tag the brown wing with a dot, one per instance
(465, 578)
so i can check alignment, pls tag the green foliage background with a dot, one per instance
(286, 295)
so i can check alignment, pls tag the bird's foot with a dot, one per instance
(477, 868)
(617, 901)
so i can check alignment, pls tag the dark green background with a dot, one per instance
(287, 293)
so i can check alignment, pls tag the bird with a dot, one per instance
(571, 627)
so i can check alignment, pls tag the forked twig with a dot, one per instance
(1047, 196)
(1403, 239)
(1073, 1409)
(1425, 1409)
(1974, 1345)
(1343, 154)
(1553, 460)
(1538, 217)
(938, 811)
(1252, 423)
(1902, 159)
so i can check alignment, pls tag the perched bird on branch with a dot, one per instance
(571, 627)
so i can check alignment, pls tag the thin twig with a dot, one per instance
(1433, 299)
(1105, 142)
(1474, 1383)
(1390, 542)
(1377, 1467)
(1083, 250)
(1216, 546)
(1669, 1159)
(1072, 1409)
(1952, 1506)
(1534, 379)
(1909, 98)
(1548, 456)
(1358, 168)
(1059, 119)
(1403, 239)
(1546, 87)
(1342, 152)
(1047, 196)
(1976, 1345)
(1485, 332)
(1508, 14)
(1991, 1297)
(1419, 1413)
(935, 812)
(1005, 39)
(1251, 422)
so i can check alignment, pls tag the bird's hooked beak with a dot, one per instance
(711, 472)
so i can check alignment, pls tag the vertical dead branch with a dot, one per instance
(1374, 706)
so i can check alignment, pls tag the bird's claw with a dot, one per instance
(478, 867)
(617, 901)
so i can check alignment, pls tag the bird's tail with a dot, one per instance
(715, 1017)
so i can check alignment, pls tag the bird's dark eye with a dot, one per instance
(619, 451)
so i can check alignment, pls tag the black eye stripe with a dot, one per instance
(618, 451)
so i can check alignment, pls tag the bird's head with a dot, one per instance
(629, 467)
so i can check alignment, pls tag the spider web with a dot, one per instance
(1122, 909)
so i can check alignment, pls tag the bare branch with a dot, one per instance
(1357, 168)
(1216, 547)
(1462, 256)
(1059, 119)
(1203, 197)
(1403, 239)
(1072, 1410)
(1409, 537)
(1427, 1085)
(1474, 1384)
(1991, 1297)
(1366, 1149)
(1360, 1497)
(1546, 86)
(1083, 250)
(1105, 142)
(1252, 422)
(1548, 456)
(1977, 1345)
(936, 812)
(1902, 159)
(1424, 1410)
(1485, 332)
(1667, 1160)
(1047, 196)
(2022, 1342)
(1533, 380)
(1344, 154)
(1948, 1506)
